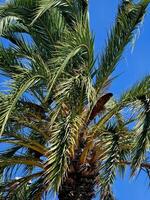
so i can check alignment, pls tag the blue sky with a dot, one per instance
(134, 64)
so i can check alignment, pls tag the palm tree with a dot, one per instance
(62, 128)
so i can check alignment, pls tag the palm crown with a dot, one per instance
(66, 132)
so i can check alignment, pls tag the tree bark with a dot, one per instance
(81, 178)
(78, 186)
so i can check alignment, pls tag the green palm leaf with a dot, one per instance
(62, 128)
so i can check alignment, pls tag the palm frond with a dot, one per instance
(63, 144)
(106, 193)
(7, 107)
(54, 91)
(111, 144)
(19, 188)
(143, 137)
(60, 70)
(120, 36)
(22, 142)
(141, 88)
(47, 5)
(9, 24)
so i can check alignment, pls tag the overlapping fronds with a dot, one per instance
(7, 107)
(142, 142)
(56, 117)
(22, 187)
(64, 141)
(47, 5)
(111, 145)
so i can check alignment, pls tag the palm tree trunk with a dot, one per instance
(78, 187)
(81, 179)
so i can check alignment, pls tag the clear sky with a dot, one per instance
(134, 64)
